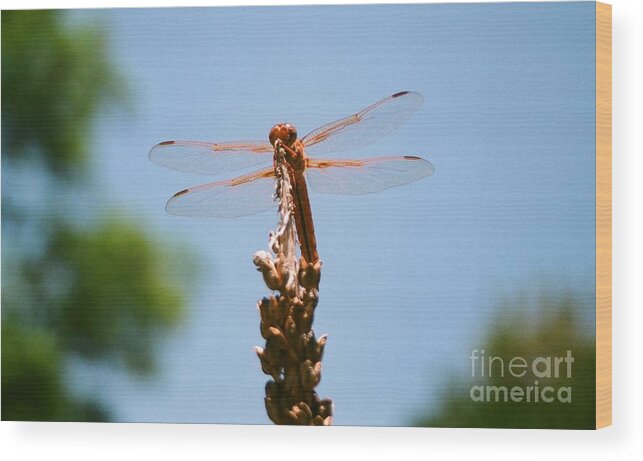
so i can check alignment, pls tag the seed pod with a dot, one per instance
(273, 390)
(326, 408)
(290, 327)
(273, 411)
(321, 344)
(309, 374)
(266, 266)
(277, 335)
(309, 274)
(266, 367)
(306, 409)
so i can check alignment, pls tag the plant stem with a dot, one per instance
(292, 354)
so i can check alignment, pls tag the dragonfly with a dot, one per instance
(254, 192)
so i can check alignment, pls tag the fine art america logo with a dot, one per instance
(497, 368)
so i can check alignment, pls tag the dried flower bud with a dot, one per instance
(321, 343)
(266, 367)
(310, 297)
(307, 344)
(273, 390)
(326, 408)
(310, 374)
(266, 266)
(291, 379)
(306, 409)
(264, 310)
(272, 408)
(277, 335)
(290, 327)
(301, 414)
(309, 274)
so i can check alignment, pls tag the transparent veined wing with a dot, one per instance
(210, 158)
(365, 127)
(242, 196)
(353, 177)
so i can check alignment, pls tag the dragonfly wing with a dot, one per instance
(210, 158)
(365, 127)
(242, 196)
(353, 177)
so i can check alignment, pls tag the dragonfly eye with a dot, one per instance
(285, 132)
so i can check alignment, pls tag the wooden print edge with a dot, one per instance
(603, 215)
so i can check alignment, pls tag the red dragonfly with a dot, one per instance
(253, 192)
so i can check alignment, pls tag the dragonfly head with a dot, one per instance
(284, 132)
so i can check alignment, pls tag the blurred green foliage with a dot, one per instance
(33, 381)
(95, 289)
(550, 330)
(114, 291)
(54, 79)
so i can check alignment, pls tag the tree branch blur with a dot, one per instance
(77, 283)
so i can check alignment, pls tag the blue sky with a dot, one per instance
(411, 275)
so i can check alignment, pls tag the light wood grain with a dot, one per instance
(603, 215)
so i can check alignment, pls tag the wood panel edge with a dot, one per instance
(603, 215)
